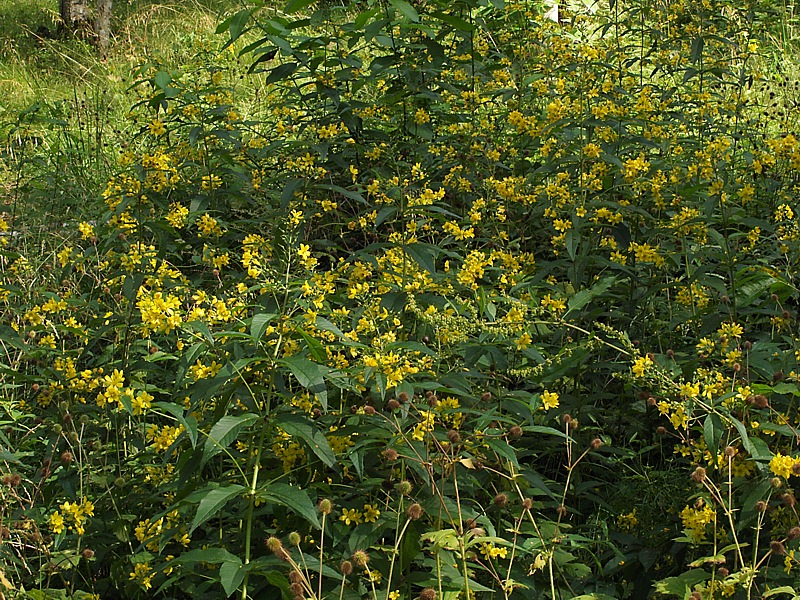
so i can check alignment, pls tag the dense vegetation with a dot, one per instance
(396, 300)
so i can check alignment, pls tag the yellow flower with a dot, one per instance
(86, 230)
(523, 341)
(640, 365)
(371, 513)
(142, 575)
(351, 515)
(57, 523)
(549, 400)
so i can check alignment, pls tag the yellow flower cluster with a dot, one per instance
(76, 514)
(785, 466)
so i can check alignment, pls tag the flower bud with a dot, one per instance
(404, 487)
(325, 506)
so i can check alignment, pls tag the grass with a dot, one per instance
(64, 110)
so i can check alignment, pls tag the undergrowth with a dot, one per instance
(410, 300)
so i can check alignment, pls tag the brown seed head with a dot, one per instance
(566, 418)
(777, 375)
(761, 401)
(369, 410)
(402, 397)
(761, 506)
(415, 511)
(66, 457)
(295, 576)
(730, 451)
(427, 594)
(87, 553)
(486, 396)
(699, 475)
(297, 589)
(515, 431)
(596, 444)
(777, 547)
(794, 533)
(670, 353)
(392, 405)
(16, 479)
(776, 482)
(501, 500)
(747, 346)
(562, 511)
(723, 572)
(788, 499)
(527, 503)
(361, 558)
(454, 436)
(390, 454)
(346, 567)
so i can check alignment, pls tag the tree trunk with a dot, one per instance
(103, 25)
(74, 15)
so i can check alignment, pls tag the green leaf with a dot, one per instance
(681, 585)
(310, 376)
(207, 555)
(294, 5)
(698, 44)
(712, 431)
(293, 498)
(405, 9)
(297, 426)
(224, 432)
(231, 574)
(584, 297)
(212, 503)
(259, 324)
(503, 449)
(162, 80)
(784, 589)
(422, 254)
